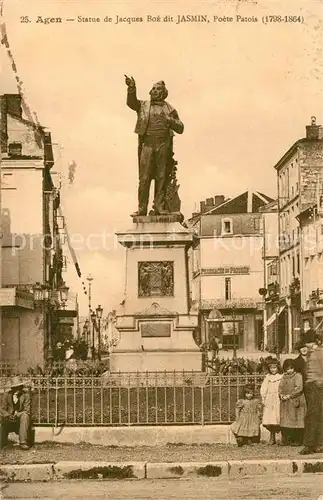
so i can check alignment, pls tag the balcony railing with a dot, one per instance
(244, 302)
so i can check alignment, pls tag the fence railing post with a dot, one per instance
(202, 405)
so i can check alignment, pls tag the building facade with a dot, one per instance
(228, 270)
(299, 175)
(270, 290)
(311, 228)
(31, 248)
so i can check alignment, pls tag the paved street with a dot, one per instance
(262, 488)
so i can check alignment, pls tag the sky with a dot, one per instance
(244, 91)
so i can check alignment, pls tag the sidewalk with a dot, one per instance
(56, 452)
(51, 461)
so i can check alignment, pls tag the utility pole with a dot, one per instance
(2, 118)
(234, 333)
(89, 280)
(264, 311)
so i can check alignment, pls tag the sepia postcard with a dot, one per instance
(161, 249)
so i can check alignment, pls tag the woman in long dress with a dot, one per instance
(292, 405)
(270, 399)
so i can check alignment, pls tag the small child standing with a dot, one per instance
(270, 399)
(246, 427)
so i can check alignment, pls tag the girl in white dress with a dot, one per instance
(270, 399)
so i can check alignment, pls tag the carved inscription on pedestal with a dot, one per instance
(156, 279)
(155, 330)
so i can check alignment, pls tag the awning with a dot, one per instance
(274, 316)
(281, 309)
(318, 326)
(271, 320)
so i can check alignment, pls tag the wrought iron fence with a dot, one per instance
(136, 399)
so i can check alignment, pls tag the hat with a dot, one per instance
(310, 336)
(299, 345)
(272, 361)
(288, 363)
(249, 388)
(16, 382)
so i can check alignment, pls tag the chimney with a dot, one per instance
(218, 199)
(202, 207)
(13, 104)
(313, 131)
(209, 202)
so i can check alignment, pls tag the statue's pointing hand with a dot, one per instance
(130, 82)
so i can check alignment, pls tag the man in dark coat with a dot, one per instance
(300, 361)
(313, 389)
(15, 413)
(157, 121)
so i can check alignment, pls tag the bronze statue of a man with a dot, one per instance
(157, 121)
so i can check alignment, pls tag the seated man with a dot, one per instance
(15, 414)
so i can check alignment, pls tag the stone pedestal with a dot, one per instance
(156, 321)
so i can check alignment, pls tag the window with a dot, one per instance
(272, 270)
(15, 149)
(283, 272)
(232, 334)
(256, 224)
(227, 291)
(293, 266)
(227, 226)
(289, 270)
(298, 263)
(287, 220)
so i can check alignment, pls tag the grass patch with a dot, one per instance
(313, 468)
(177, 470)
(108, 472)
(210, 471)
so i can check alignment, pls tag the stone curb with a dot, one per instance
(160, 470)
(26, 472)
(233, 468)
(186, 469)
(99, 470)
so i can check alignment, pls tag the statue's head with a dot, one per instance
(158, 92)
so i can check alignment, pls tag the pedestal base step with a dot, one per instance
(156, 361)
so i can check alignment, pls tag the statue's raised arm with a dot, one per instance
(130, 81)
(132, 100)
